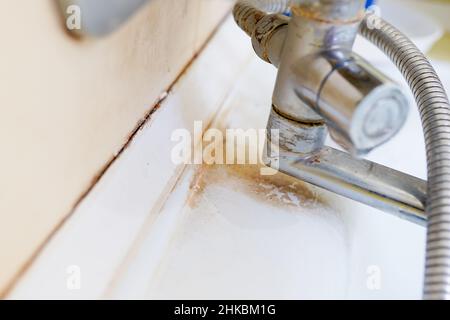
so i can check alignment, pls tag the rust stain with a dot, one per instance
(278, 190)
(309, 13)
(259, 15)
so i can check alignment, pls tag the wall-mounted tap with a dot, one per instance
(322, 86)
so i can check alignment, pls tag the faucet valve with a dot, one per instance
(361, 106)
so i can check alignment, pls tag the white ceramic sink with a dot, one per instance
(153, 230)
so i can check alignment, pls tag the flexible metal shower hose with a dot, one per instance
(434, 110)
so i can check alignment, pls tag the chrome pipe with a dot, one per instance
(364, 181)
(302, 155)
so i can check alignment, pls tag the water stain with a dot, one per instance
(278, 190)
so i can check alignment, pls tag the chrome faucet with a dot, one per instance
(324, 87)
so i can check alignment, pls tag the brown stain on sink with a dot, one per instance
(278, 190)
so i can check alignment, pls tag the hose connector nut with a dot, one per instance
(263, 33)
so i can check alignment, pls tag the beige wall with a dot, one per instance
(68, 106)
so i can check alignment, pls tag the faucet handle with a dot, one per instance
(361, 106)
